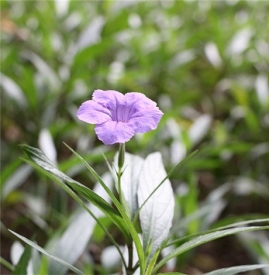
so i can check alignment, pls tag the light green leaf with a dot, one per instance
(236, 269)
(231, 225)
(204, 239)
(152, 263)
(6, 264)
(43, 270)
(34, 245)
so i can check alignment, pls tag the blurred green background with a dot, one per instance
(206, 64)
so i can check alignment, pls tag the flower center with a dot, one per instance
(121, 114)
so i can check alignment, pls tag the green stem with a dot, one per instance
(6, 264)
(120, 167)
(121, 156)
(130, 261)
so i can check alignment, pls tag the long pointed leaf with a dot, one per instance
(236, 269)
(204, 239)
(34, 245)
(41, 160)
(38, 157)
(83, 205)
(218, 229)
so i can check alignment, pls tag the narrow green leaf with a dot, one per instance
(204, 239)
(236, 269)
(190, 203)
(83, 205)
(43, 270)
(6, 264)
(218, 229)
(34, 245)
(38, 157)
(21, 267)
(245, 222)
(152, 263)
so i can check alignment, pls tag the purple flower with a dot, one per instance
(118, 117)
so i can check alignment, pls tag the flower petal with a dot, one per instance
(94, 113)
(109, 99)
(138, 101)
(144, 115)
(145, 120)
(112, 132)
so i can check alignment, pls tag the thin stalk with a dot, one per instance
(120, 167)
(6, 264)
(130, 261)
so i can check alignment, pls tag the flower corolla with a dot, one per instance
(118, 117)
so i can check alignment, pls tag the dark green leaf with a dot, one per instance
(38, 157)
(21, 267)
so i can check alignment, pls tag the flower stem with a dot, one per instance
(130, 261)
(121, 156)
(120, 166)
